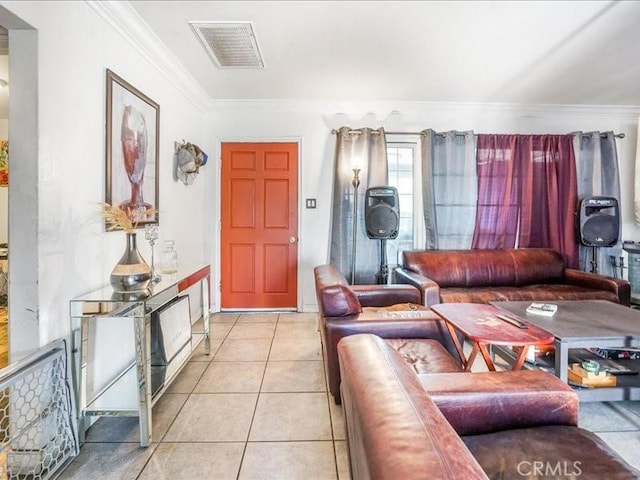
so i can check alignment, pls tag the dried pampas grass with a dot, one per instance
(121, 218)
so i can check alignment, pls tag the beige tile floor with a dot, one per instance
(258, 408)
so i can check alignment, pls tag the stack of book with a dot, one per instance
(580, 376)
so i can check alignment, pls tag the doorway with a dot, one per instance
(259, 231)
(4, 196)
(23, 292)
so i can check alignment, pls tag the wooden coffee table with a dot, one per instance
(481, 325)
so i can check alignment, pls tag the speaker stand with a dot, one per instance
(594, 260)
(382, 277)
(613, 261)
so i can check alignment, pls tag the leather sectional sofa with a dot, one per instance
(498, 425)
(482, 276)
(390, 311)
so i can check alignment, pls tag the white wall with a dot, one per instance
(76, 255)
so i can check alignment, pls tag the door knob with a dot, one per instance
(292, 239)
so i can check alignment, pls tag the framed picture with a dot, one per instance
(4, 163)
(132, 137)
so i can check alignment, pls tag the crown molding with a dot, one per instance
(123, 18)
(382, 108)
(544, 110)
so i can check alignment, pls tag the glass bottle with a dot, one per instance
(169, 258)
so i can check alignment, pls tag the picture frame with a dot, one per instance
(4, 163)
(132, 151)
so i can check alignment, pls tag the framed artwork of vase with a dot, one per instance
(132, 136)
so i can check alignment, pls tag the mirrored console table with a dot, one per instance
(111, 347)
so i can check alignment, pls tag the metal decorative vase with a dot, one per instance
(131, 273)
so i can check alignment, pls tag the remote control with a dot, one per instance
(512, 321)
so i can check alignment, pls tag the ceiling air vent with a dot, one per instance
(229, 44)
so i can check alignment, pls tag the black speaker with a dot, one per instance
(381, 212)
(599, 221)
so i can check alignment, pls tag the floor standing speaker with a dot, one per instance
(599, 221)
(381, 212)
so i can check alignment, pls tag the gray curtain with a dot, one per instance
(366, 149)
(450, 188)
(598, 175)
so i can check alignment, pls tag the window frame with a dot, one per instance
(419, 231)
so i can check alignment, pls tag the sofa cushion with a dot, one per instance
(545, 292)
(424, 355)
(398, 307)
(473, 268)
(537, 265)
(547, 452)
(381, 295)
(484, 402)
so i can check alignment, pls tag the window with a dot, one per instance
(402, 166)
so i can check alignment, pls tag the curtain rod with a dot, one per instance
(334, 131)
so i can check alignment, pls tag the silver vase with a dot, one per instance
(131, 273)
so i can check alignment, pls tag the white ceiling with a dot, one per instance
(536, 52)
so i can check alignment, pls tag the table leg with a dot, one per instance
(562, 360)
(472, 358)
(521, 357)
(142, 326)
(204, 295)
(456, 343)
(487, 357)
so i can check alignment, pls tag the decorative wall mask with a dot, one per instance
(189, 159)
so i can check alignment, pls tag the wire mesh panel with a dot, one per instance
(36, 410)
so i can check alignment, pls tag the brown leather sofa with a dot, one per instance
(482, 276)
(389, 311)
(498, 425)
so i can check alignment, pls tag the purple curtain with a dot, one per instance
(527, 193)
(498, 190)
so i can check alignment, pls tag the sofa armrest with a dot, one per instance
(485, 402)
(339, 301)
(429, 289)
(386, 295)
(394, 430)
(619, 286)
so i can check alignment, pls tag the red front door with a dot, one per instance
(259, 249)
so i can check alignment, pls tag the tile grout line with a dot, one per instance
(161, 441)
(329, 400)
(255, 407)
